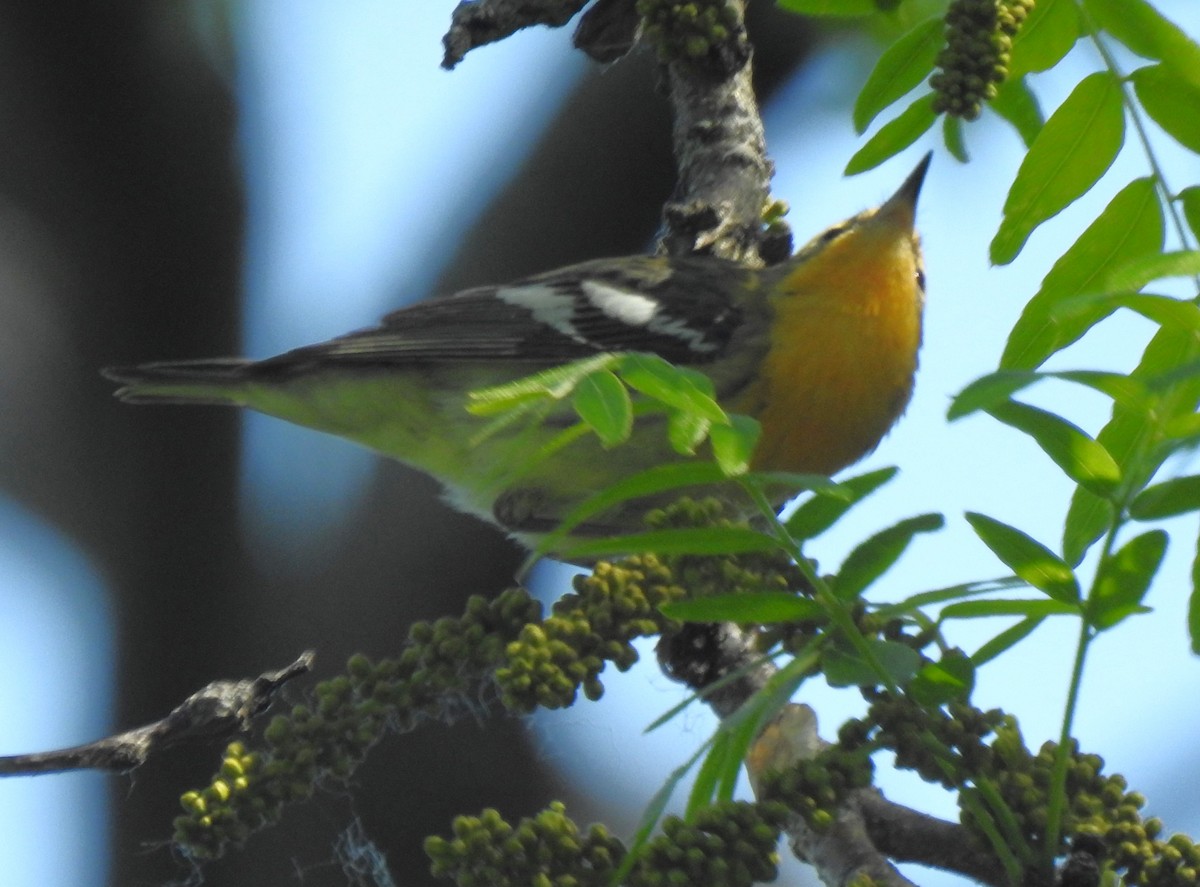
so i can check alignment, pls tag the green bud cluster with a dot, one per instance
(815, 787)
(943, 745)
(449, 664)
(730, 844)
(445, 665)
(617, 603)
(974, 62)
(701, 32)
(704, 575)
(211, 808)
(1098, 806)
(548, 850)
(1148, 861)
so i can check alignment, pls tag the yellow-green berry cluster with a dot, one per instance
(548, 850)
(211, 808)
(708, 33)
(704, 575)
(815, 787)
(1099, 807)
(452, 660)
(730, 844)
(617, 603)
(944, 746)
(1150, 862)
(974, 62)
(446, 664)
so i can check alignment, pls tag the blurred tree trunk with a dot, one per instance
(122, 216)
(121, 225)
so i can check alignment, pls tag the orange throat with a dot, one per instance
(840, 369)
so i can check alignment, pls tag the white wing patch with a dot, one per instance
(636, 309)
(680, 329)
(559, 310)
(627, 307)
(548, 305)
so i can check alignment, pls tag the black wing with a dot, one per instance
(678, 308)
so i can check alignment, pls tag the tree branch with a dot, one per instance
(724, 172)
(475, 24)
(218, 709)
(907, 835)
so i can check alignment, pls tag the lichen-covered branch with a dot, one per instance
(475, 23)
(724, 174)
(219, 709)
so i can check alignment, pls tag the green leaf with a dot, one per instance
(899, 70)
(1131, 226)
(555, 383)
(1137, 272)
(951, 679)
(847, 668)
(1028, 558)
(989, 390)
(921, 599)
(733, 444)
(1123, 579)
(705, 540)
(1121, 388)
(1076, 146)
(795, 482)
(1017, 104)
(1163, 310)
(677, 387)
(757, 608)
(1088, 517)
(1143, 29)
(874, 557)
(1130, 433)
(653, 812)
(995, 388)
(821, 512)
(1171, 103)
(652, 481)
(1193, 615)
(894, 136)
(1030, 609)
(1006, 640)
(686, 431)
(952, 137)
(1167, 499)
(1081, 458)
(1045, 37)
(708, 776)
(603, 403)
(1183, 430)
(835, 8)
(1189, 199)
(748, 722)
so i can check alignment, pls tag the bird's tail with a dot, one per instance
(217, 381)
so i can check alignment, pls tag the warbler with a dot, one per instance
(821, 349)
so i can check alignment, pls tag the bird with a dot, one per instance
(821, 349)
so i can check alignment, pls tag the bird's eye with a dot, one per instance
(921, 279)
(833, 233)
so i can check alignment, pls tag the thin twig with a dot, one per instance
(221, 708)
